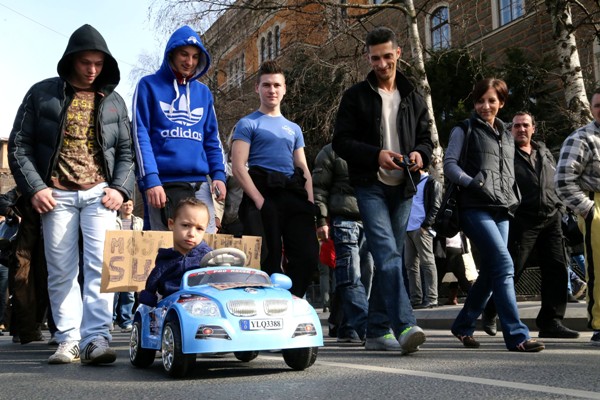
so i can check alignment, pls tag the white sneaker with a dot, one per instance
(386, 342)
(411, 338)
(98, 352)
(66, 353)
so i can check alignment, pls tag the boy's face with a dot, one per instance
(188, 228)
(271, 90)
(185, 59)
(87, 65)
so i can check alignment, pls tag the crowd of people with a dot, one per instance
(371, 197)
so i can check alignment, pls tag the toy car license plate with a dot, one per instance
(261, 324)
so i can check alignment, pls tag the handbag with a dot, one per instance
(447, 220)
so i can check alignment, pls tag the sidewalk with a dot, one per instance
(443, 316)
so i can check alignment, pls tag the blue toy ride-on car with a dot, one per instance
(223, 307)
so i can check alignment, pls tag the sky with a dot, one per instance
(34, 35)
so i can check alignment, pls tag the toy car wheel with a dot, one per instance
(139, 356)
(300, 359)
(175, 363)
(246, 356)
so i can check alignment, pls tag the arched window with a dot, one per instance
(277, 41)
(270, 45)
(440, 29)
(263, 50)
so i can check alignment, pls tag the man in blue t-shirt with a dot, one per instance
(268, 160)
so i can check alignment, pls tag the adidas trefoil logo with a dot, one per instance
(180, 114)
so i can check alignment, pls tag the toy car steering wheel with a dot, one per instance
(227, 256)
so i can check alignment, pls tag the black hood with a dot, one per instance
(88, 38)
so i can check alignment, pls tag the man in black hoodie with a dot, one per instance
(70, 154)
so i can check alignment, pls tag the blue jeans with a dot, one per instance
(384, 211)
(79, 314)
(353, 274)
(123, 310)
(488, 231)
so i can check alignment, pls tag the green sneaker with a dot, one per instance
(383, 343)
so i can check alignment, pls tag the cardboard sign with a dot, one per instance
(129, 255)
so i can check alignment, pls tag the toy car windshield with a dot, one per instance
(228, 277)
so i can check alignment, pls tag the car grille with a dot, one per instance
(276, 307)
(242, 308)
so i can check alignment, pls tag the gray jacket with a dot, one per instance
(334, 196)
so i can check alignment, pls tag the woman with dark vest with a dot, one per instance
(488, 197)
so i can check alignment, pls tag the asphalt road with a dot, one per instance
(442, 369)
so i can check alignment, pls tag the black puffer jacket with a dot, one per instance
(37, 135)
(538, 198)
(331, 187)
(357, 137)
(490, 161)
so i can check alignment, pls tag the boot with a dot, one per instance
(452, 296)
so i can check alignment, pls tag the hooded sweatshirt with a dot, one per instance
(38, 131)
(175, 130)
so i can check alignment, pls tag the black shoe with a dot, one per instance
(529, 346)
(489, 325)
(333, 332)
(558, 331)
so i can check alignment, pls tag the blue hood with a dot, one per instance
(185, 36)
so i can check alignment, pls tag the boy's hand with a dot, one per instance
(43, 201)
(113, 199)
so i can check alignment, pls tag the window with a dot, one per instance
(270, 44)
(440, 29)
(263, 50)
(277, 41)
(509, 10)
(237, 70)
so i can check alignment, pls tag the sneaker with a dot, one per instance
(558, 331)
(98, 352)
(411, 338)
(66, 353)
(351, 337)
(572, 299)
(52, 341)
(595, 341)
(578, 288)
(16, 339)
(468, 341)
(529, 346)
(127, 328)
(386, 342)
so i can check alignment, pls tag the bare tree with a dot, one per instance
(578, 110)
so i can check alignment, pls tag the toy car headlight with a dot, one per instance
(199, 306)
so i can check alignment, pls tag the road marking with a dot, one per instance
(466, 379)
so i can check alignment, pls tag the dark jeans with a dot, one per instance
(286, 223)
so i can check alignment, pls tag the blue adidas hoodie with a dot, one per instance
(175, 130)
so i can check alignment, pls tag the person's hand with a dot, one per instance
(259, 202)
(218, 223)
(43, 201)
(219, 188)
(416, 159)
(156, 196)
(386, 159)
(323, 232)
(113, 199)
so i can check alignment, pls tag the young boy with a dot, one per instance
(188, 224)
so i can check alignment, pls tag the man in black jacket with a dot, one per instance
(382, 131)
(537, 226)
(70, 154)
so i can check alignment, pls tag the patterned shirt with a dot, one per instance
(578, 169)
(80, 161)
